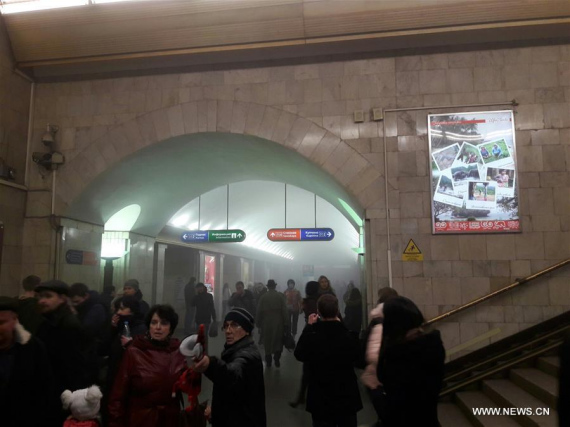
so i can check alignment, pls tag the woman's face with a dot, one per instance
(159, 328)
(324, 283)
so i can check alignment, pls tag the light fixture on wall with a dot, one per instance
(114, 245)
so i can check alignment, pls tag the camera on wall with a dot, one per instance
(53, 159)
(50, 161)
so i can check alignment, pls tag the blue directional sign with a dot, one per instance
(316, 234)
(214, 236)
(195, 236)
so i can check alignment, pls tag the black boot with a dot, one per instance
(268, 361)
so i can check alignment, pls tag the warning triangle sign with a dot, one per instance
(412, 248)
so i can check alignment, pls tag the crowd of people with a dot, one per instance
(57, 338)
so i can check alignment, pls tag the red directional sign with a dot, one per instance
(281, 234)
(300, 234)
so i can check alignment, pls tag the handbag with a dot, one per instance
(288, 341)
(213, 331)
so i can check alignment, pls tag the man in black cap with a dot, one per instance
(238, 398)
(71, 352)
(25, 374)
(132, 288)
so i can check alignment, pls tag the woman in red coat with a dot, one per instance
(142, 392)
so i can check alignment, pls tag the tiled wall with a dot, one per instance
(14, 110)
(456, 269)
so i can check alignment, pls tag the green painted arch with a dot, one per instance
(163, 177)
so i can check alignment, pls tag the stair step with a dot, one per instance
(507, 394)
(549, 364)
(541, 385)
(468, 400)
(451, 416)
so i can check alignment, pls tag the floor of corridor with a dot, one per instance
(281, 386)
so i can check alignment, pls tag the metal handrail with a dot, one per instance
(498, 292)
(497, 369)
(501, 356)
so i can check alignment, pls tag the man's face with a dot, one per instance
(8, 320)
(50, 301)
(77, 300)
(234, 332)
(129, 291)
(239, 289)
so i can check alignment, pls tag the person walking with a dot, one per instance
(410, 367)
(309, 306)
(272, 317)
(353, 311)
(90, 312)
(293, 298)
(71, 351)
(242, 298)
(226, 295)
(142, 391)
(189, 295)
(325, 286)
(205, 310)
(238, 398)
(330, 350)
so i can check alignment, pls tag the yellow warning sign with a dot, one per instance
(412, 252)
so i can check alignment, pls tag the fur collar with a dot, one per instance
(21, 336)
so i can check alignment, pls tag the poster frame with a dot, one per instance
(431, 177)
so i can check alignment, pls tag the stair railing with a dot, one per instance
(510, 287)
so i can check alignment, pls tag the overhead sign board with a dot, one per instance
(474, 185)
(300, 234)
(214, 236)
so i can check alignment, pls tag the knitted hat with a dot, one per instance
(56, 286)
(132, 283)
(83, 404)
(242, 317)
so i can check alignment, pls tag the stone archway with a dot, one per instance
(312, 141)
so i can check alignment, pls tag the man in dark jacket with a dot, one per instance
(329, 351)
(189, 295)
(90, 311)
(242, 298)
(205, 310)
(70, 349)
(26, 379)
(29, 314)
(238, 397)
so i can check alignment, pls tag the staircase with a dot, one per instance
(525, 388)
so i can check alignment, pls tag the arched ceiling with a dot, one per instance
(129, 36)
(164, 177)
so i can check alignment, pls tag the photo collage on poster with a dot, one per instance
(473, 171)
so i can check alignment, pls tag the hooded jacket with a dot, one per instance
(28, 384)
(411, 372)
(238, 399)
(142, 392)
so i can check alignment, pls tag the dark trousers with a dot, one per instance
(293, 320)
(343, 421)
(378, 399)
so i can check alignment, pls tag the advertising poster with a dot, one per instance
(473, 173)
